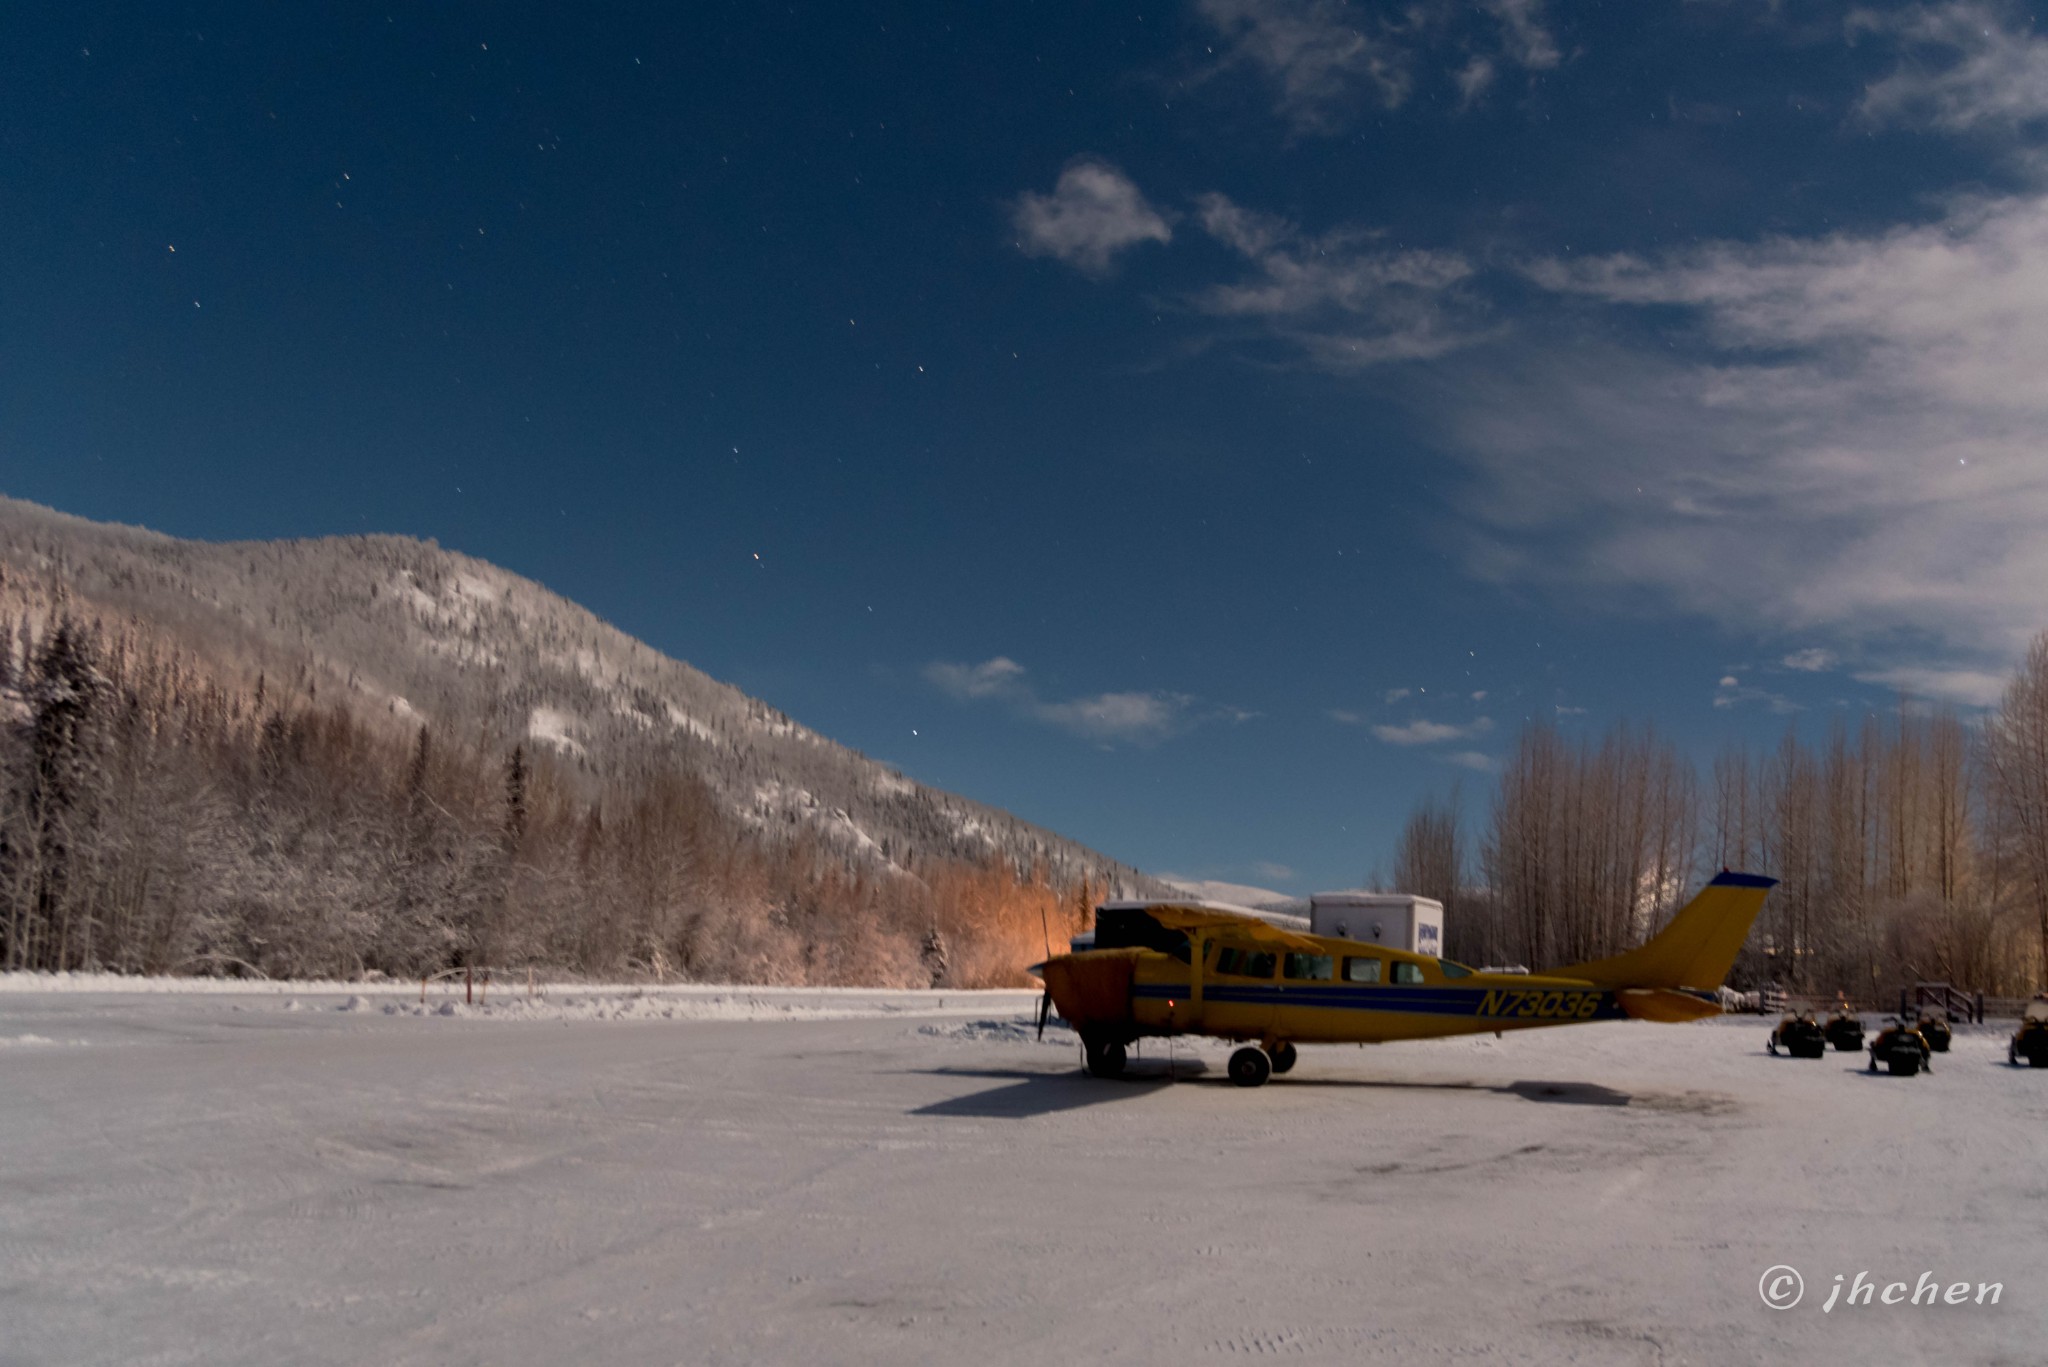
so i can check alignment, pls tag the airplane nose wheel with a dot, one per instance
(1105, 1058)
(1249, 1067)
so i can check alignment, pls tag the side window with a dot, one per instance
(1406, 972)
(1245, 963)
(1315, 968)
(1361, 970)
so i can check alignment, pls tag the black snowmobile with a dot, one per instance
(1845, 1030)
(2030, 1041)
(1934, 1029)
(1800, 1036)
(1901, 1049)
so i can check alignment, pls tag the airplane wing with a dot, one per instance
(1250, 927)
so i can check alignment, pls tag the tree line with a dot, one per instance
(1912, 846)
(155, 819)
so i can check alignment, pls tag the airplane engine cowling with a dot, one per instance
(1092, 990)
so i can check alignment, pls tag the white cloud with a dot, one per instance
(1325, 59)
(1394, 694)
(1845, 437)
(1431, 732)
(1266, 868)
(1969, 64)
(1343, 299)
(1348, 718)
(1137, 717)
(1731, 692)
(1479, 696)
(1524, 38)
(1117, 716)
(1812, 660)
(1474, 78)
(1974, 688)
(1094, 212)
(1317, 59)
(1470, 759)
(990, 678)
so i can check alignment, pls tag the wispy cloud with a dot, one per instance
(1472, 759)
(1812, 660)
(1315, 54)
(1266, 868)
(989, 679)
(1326, 61)
(1134, 717)
(1393, 695)
(1432, 732)
(1344, 299)
(1965, 65)
(1971, 687)
(1094, 212)
(1731, 692)
(1841, 434)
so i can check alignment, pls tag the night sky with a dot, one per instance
(1203, 430)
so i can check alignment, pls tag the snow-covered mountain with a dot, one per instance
(407, 633)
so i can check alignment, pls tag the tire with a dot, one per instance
(2037, 1059)
(1903, 1065)
(1249, 1067)
(1284, 1057)
(1106, 1058)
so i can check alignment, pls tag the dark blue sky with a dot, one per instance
(1202, 431)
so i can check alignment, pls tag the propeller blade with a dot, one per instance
(1044, 1010)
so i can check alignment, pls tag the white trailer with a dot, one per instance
(1397, 919)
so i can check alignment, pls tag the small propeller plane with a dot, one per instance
(1164, 968)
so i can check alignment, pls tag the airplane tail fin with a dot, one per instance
(1697, 949)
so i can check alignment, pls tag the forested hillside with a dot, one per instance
(368, 754)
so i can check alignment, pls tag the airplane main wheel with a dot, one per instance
(1284, 1057)
(1249, 1067)
(1903, 1065)
(1106, 1058)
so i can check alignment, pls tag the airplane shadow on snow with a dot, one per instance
(1027, 1093)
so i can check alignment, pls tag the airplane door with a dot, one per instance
(1239, 987)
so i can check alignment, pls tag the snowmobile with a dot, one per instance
(1845, 1030)
(1901, 1049)
(2030, 1041)
(1934, 1029)
(1800, 1036)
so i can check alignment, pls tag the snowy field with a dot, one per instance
(740, 1176)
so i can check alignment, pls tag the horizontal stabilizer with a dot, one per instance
(1666, 1004)
(1695, 951)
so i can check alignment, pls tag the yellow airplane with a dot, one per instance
(1168, 968)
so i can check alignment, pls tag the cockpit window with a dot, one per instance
(1451, 970)
(1315, 968)
(1361, 970)
(1245, 963)
(1407, 972)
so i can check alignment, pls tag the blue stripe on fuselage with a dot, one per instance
(1417, 999)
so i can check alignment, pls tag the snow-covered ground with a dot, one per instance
(876, 1178)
